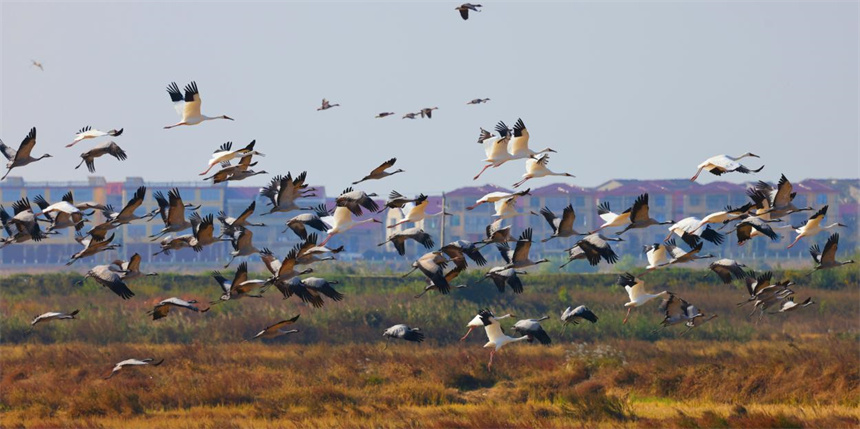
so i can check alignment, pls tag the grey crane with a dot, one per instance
(404, 332)
(231, 225)
(355, 200)
(533, 330)
(751, 227)
(170, 243)
(299, 224)
(61, 219)
(277, 330)
(93, 245)
(561, 227)
(54, 315)
(519, 258)
(639, 216)
(379, 172)
(240, 287)
(175, 220)
(464, 11)
(109, 277)
(781, 198)
(311, 290)
(283, 191)
(576, 315)
(132, 268)
(397, 201)
(163, 307)
(460, 249)
(593, 247)
(827, 259)
(726, 269)
(22, 156)
(502, 276)
(106, 148)
(449, 278)
(398, 239)
(242, 245)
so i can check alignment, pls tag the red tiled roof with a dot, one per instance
(560, 188)
(479, 191)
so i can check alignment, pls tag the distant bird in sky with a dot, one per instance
(575, 315)
(428, 112)
(536, 168)
(721, 164)
(379, 172)
(163, 308)
(188, 107)
(478, 101)
(88, 132)
(53, 315)
(326, 105)
(133, 362)
(410, 116)
(37, 64)
(107, 148)
(21, 157)
(278, 329)
(465, 8)
(636, 291)
(384, 114)
(404, 332)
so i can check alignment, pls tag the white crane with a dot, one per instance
(133, 362)
(689, 229)
(404, 332)
(163, 308)
(532, 329)
(188, 107)
(679, 256)
(788, 304)
(495, 335)
(813, 226)
(240, 171)
(66, 215)
(507, 209)
(721, 164)
(53, 315)
(657, 256)
(636, 291)
(725, 216)
(495, 148)
(610, 218)
(496, 196)
(106, 148)
(277, 330)
(88, 132)
(225, 153)
(379, 172)
(342, 221)
(519, 144)
(418, 212)
(22, 156)
(536, 168)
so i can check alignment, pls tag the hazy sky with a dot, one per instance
(620, 89)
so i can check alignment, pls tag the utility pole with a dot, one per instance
(444, 209)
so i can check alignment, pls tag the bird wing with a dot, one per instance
(192, 102)
(26, 145)
(7, 151)
(568, 217)
(176, 98)
(524, 244)
(520, 142)
(829, 254)
(134, 263)
(282, 323)
(342, 216)
(176, 212)
(816, 219)
(243, 218)
(135, 202)
(383, 166)
(639, 211)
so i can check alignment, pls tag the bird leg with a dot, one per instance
(490, 364)
(482, 171)
(410, 272)
(627, 316)
(793, 242)
(696, 176)
(467, 334)
(518, 184)
(230, 261)
(7, 173)
(81, 163)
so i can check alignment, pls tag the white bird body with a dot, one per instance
(636, 292)
(610, 218)
(536, 168)
(90, 133)
(720, 164)
(497, 338)
(518, 147)
(342, 221)
(188, 107)
(656, 255)
(225, 153)
(813, 226)
(133, 362)
(495, 148)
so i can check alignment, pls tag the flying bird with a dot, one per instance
(576, 315)
(225, 153)
(188, 107)
(813, 226)
(163, 308)
(533, 330)
(465, 8)
(536, 168)
(478, 101)
(277, 330)
(107, 148)
(379, 172)
(827, 258)
(109, 277)
(53, 315)
(384, 114)
(404, 332)
(326, 105)
(133, 362)
(88, 132)
(721, 164)
(22, 156)
(636, 291)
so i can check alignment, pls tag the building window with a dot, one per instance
(579, 201)
(11, 195)
(821, 199)
(33, 193)
(210, 194)
(694, 200)
(660, 201)
(82, 195)
(455, 220)
(715, 202)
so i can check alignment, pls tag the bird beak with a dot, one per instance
(227, 117)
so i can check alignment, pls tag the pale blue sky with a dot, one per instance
(620, 89)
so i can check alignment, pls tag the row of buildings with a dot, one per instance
(669, 200)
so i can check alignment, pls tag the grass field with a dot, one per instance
(789, 370)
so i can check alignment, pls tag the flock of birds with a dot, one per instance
(440, 267)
